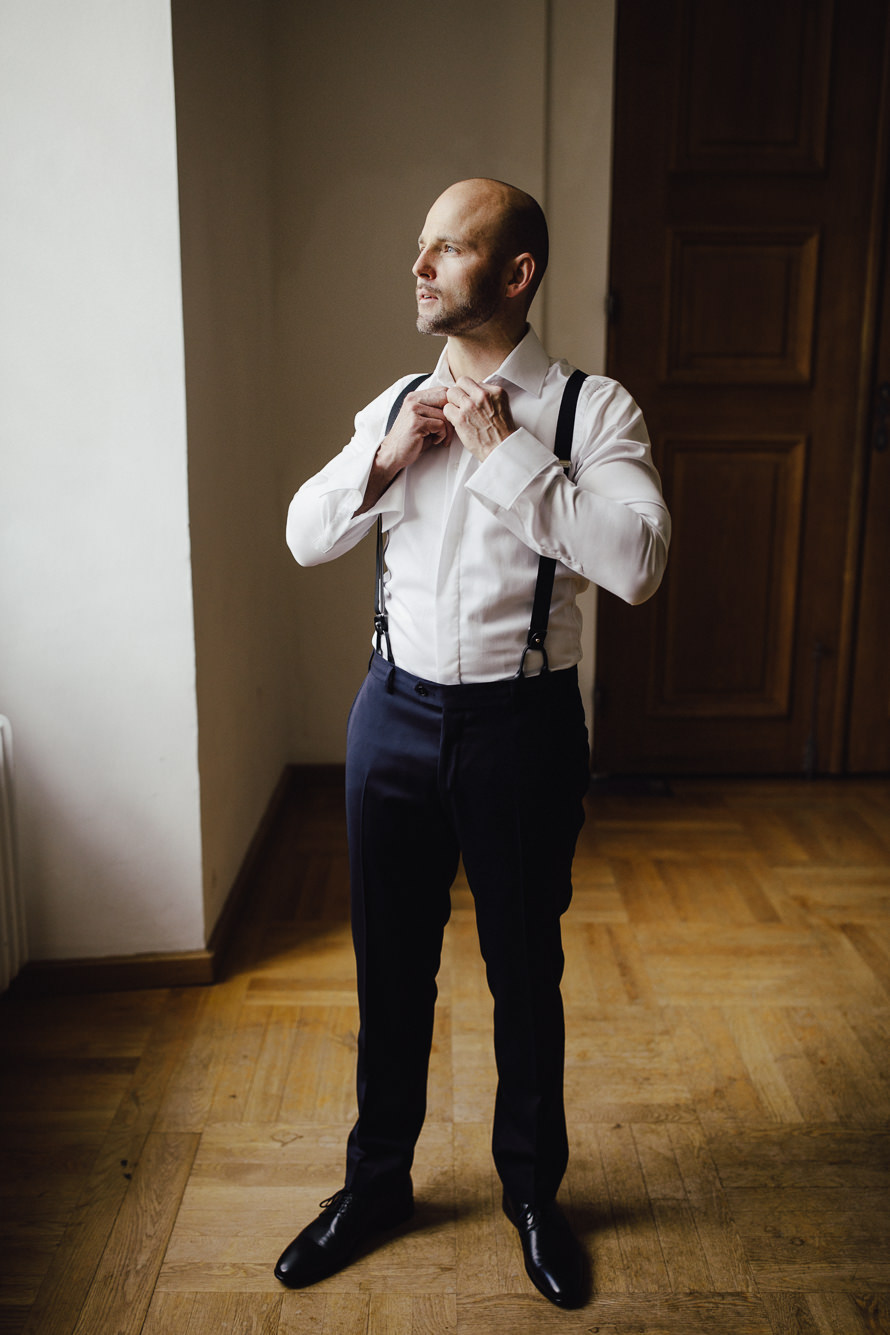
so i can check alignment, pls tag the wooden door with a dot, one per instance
(744, 237)
(869, 733)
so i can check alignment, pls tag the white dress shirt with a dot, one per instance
(464, 537)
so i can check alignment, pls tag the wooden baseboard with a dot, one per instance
(223, 933)
(114, 973)
(187, 968)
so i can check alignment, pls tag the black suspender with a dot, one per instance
(562, 447)
(537, 631)
(381, 620)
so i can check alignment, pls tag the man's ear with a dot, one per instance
(520, 274)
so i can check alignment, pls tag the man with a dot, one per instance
(467, 736)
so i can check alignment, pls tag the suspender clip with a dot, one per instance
(381, 627)
(534, 644)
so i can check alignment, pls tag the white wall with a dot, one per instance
(380, 108)
(96, 639)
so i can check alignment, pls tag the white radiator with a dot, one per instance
(12, 917)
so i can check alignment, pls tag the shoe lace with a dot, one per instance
(335, 1202)
(525, 1215)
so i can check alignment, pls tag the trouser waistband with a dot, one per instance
(472, 695)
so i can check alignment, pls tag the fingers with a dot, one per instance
(420, 424)
(435, 396)
(425, 405)
(438, 396)
(430, 422)
(490, 400)
(477, 401)
(480, 414)
(434, 430)
(466, 388)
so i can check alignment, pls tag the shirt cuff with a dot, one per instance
(342, 519)
(391, 504)
(509, 469)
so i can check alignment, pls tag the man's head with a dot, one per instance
(483, 252)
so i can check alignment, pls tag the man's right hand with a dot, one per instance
(421, 424)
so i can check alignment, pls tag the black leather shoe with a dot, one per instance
(327, 1244)
(553, 1260)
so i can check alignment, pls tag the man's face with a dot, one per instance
(460, 274)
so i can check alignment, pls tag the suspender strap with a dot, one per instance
(381, 620)
(565, 427)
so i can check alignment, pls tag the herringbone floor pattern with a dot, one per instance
(728, 1004)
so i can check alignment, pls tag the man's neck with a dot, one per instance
(478, 357)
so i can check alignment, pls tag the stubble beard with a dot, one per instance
(476, 310)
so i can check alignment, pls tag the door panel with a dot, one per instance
(745, 163)
(741, 306)
(741, 500)
(753, 80)
(869, 737)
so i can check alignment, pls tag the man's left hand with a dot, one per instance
(480, 414)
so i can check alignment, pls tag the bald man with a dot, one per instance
(505, 482)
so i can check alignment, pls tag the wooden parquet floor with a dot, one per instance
(727, 992)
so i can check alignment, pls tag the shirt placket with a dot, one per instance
(449, 634)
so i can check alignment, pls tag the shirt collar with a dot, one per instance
(525, 367)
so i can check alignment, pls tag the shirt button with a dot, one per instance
(420, 689)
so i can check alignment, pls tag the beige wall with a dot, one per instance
(378, 109)
(240, 566)
(579, 166)
(311, 140)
